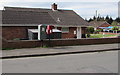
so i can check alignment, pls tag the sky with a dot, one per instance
(85, 8)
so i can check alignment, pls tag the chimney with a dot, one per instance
(54, 6)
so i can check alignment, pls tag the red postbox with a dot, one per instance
(49, 29)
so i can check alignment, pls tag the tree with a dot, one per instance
(98, 18)
(115, 28)
(86, 20)
(90, 29)
(101, 18)
(114, 23)
(117, 19)
(90, 20)
(94, 18)
(110, 20)
(107, 18)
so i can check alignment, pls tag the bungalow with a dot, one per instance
(99, 24)
(16, 22)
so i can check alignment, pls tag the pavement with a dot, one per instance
(31, 52)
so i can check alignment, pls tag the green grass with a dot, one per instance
(101, 36)
(44, 46)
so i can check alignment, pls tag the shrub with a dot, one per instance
(115, 28)
(88, 35)
(90, 29)
(98, 30)
(16, 39)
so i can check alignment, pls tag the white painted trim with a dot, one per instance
(79, 33)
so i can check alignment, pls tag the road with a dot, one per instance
(101, 62)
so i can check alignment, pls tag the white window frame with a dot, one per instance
(65, 29)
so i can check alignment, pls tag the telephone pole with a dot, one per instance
(96, 15)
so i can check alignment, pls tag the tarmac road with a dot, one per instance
(99, 62)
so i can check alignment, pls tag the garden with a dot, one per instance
(91, 33)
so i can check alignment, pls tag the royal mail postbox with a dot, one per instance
(49, 29)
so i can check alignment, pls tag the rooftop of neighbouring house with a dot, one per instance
(99, 23)
(22, 16)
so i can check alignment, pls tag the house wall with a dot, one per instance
(11, 33)
(70, 34)
(83, 31)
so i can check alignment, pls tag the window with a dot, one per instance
(65, 29)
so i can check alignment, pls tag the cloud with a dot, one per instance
(88, 9)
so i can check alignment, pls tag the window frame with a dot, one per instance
(65, 29)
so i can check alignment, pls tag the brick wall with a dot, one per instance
(107, 33)
(70, 34)
(71, 42)
(21, 44)
(11, 33)
(83, 30)
(58, 42)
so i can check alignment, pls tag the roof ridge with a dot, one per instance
(34, 8)
(27, 11)
(23, 8)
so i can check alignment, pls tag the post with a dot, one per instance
(49, 31)
(42, 43)
(49, 40)
(103, 35)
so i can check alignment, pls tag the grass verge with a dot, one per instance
(102, 36)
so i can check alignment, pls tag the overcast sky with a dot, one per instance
(85, 8)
